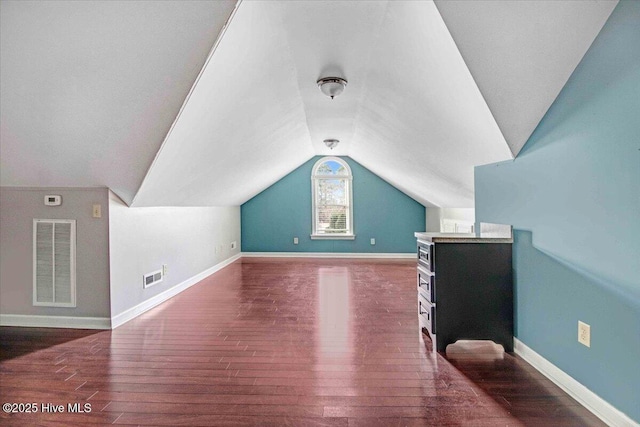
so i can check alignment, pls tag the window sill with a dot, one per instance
(333, 237)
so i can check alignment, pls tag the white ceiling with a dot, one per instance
(521, 53)
(91, 89)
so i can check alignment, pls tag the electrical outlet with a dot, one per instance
(165, 269)
(233, 245)
(584, 334)
(373, 241)
(295, 240)
(97, 211)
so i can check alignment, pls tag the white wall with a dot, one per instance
(18, 208)
(189, 240)
(436, 215)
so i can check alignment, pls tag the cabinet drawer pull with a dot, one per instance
(426, 284)
(428, 312)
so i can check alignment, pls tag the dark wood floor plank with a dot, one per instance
(228, 420)
(267, 342)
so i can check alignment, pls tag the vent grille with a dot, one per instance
(54, 253)
(151, 279)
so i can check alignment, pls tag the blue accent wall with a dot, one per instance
(575, 188)
(274, 217)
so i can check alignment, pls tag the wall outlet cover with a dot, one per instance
(584, 334)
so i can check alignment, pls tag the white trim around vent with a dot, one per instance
(152, 278)
(55, 321)
(594, 403)
(54, 262)
(359, 255)
(152, 302)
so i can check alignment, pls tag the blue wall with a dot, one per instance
(576, 187)
(274, 217)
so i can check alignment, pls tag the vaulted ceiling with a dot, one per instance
(194, 103)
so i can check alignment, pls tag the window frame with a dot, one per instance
(315, 179)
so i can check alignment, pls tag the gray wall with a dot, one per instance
(188, 239)
(18, 208)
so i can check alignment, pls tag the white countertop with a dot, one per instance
(461, 238)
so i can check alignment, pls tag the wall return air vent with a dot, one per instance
(151, 279)
(54, 262)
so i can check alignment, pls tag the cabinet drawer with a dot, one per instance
(427, 314)
(426, 284)
(425, 255)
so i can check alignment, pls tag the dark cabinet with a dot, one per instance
(465, 290)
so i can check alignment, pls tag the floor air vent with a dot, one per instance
(152, 278)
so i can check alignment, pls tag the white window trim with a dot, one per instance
(314, 178)
(72, 303)
(340, 236)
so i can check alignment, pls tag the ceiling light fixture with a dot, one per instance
(332, 86)
(331, 142)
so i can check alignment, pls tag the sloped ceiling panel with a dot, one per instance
(422, 124)
(244, 125)
(521, 53)
(90, 89)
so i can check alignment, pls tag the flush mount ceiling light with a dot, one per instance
(332, 86)
(331, 142)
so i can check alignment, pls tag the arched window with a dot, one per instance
(332, 199)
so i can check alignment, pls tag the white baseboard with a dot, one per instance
(408, 256)
(147, 305)
(594, 403)
(55, 321)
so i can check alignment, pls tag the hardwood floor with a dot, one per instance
(277, 342)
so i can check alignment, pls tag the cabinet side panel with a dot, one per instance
(474, 290)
